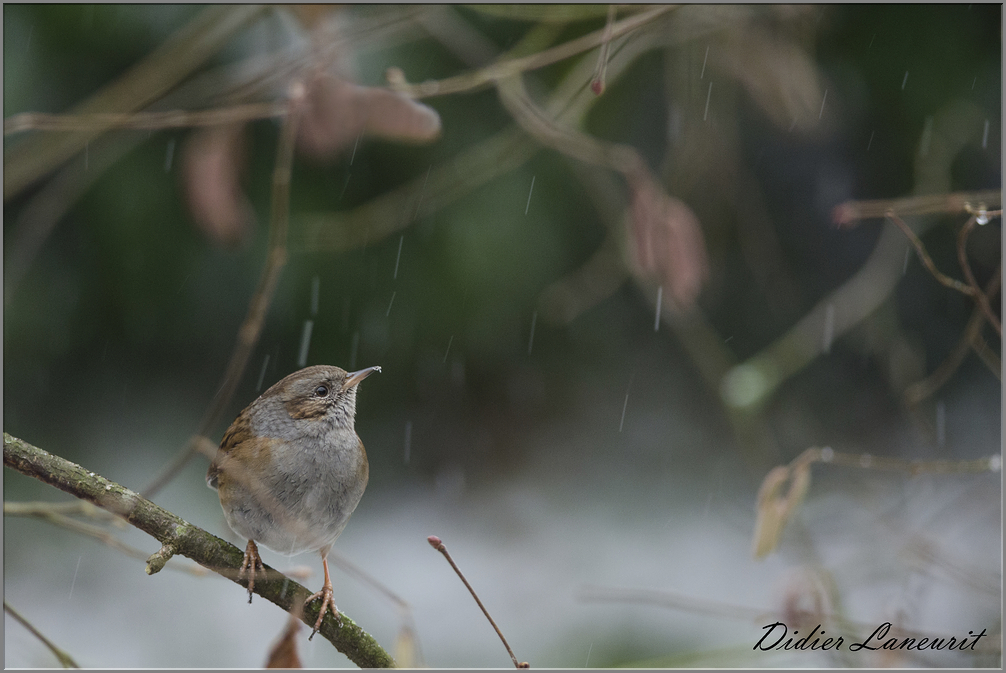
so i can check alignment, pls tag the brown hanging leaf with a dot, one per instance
(775, 507)
(284, 652)
(337, 112)
(667, 239)
(212, 163)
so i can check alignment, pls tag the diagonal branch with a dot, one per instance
(962, 257)
(178, 536)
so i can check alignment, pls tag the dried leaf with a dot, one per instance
(337, 112)
(667, 239)
(211, 171)
(284, 652)
(774, 508)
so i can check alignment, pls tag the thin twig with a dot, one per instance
(437, 544)
(920, 390)
(913, 467)
(41, 121)
(849, 214)
(478, 78)
(41, 511)
(927, 261)
(597, 82)
(251, 327)
(962, 257)
(65, 659)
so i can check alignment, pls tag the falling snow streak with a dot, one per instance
(73, 583)
(823, 99)
(870, 144)
(829, 327)
(169, 155)
(904, 81)
(261, 374)
(353, 348)
(87, 152)
(344, 185)
(709, 95)
(305, 342)
(449, 342)
(530, 340)
(401, 240)
(625, 405)
(660, 298)
(704, 59)
(408, 440)
(529, 195)
(985, 135)
(422, 192)
(927, 137)
(388, 312)
(315, 286)
(355, 145)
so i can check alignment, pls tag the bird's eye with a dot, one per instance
(321, 391)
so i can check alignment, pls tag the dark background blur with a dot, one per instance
(591, 452)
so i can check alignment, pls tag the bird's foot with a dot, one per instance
(252, 563)
(327, 603)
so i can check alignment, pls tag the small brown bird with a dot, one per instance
(291, 469)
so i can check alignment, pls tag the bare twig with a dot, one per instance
(927, 261)
(962, 257)
(597, 82)
(919, 391)
(478, 78)
(251, 327)
(186, 539)
(437, 544)
(149, 79)
(850, 213)
(44, 512)
(40, 121)
(64, 659)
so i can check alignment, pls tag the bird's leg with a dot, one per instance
(326, 597)
(252, 563)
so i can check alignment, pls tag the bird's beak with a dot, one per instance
(354, 378)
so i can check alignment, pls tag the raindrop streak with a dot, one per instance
(941, 424)
(529, 195)
(169, 156)
(388, 312)
(985, 135)
(261, 375)
(660, 298)
(399, 258)
(701, 75)
(31, 29)
(345, 315)
(530, 341)
(315, 286)
(871, 41)
(305, 342)
(87, 152)
(408, 440)
(904, 81)
(973, 82)
(829, 327)
(821, 113)
(344, 186)
(625, 405)
(870, 144)
(708, 96)
(449, 342)
(74, 582)
(908, 253)
(353, 348)
(422, 192)
(592, 644)
(355, 145)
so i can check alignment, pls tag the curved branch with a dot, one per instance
(179, 536)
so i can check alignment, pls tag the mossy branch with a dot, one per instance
(179, 536)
